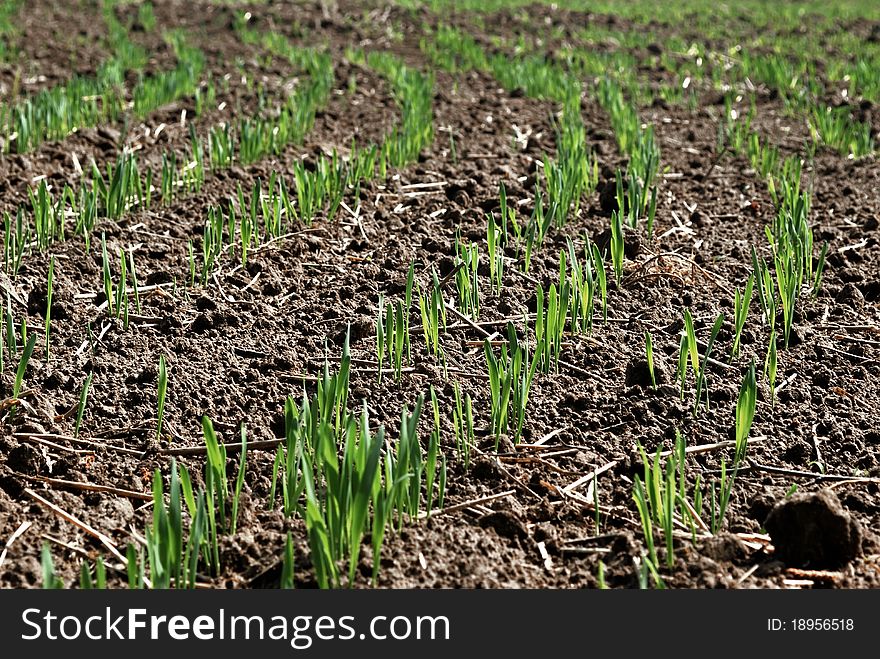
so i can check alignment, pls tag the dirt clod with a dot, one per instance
(506, 524)
(24, 459)
(638, 373)
(813, 530)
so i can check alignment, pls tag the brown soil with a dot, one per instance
(237, 348)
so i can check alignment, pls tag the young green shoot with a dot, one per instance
(617, 246)
(392, 336)
(701, 372)
(745, 411)
(649, 356)
(602, 280)
(287, 564)
(22, 364)
(770, 366)
(86, 582)
(105, 271)
(466, 280)
(51, 581)
(510, 379)
(463, 425)
(583, 290)
(433, 313)
(550, 323)
(740, 312)
(239, 481)
(161, 393)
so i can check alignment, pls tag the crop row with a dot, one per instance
(341, 498)
(83, 102)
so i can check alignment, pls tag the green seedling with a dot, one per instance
(834, 128)
(645, 515)
(392, 336)
(510, 380)
(583, 290)
(121, 303)
(51, 581)
(16, 237)
(431, 457)
(380, 336)
(788, 285)
(765, 289)
(463, 425)
(287, 564)
(649, 356)
(336, 520)
(617, 246)
(86, 582)
(718, 508)
(146, 17)
(105, 270)
(135, 568)
(398, 339)
(22, 364)
(508, 218)
(770, 366)
(740, 312)
(466, 280)
(745, 411)
(407, 306)
(217, 485)
(701, 372)
(239, 481)
(495, 250)
(192, 265)
(433, 314)
(162, 390)
(662, 498)
(221, 147)
(550, 323)
(599, 266)
(691, 337)
(172, 554)
(647, 566)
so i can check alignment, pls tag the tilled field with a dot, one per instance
(573, 205)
